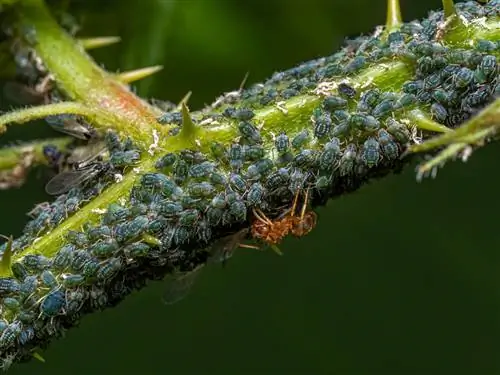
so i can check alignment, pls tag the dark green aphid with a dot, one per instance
(300, 139)
(364, 122)
(255, 194)
(277, 179)
(253, 152)
(238, 210)
(218, 150)
(136, 250)
(48, 279)
(484, 45)
(99, 233)
(122, 159)
(413, 87)
(389, 148)
(249, 132)
(330, 155)
(115, 214)
(104, 249)
(368, 100)
(383, 108)
(217, 178)
(189, 217)
(282, 142)
(200, 189)
(432, 81)
(305, 159)
(53, 303)
(166, 161)
(356, 64)
(236, 156)
(405, 100)
(11, 304)
(109, 269)
(371, 152)
(463, 78)
(181, 170)
(201, 170)
(346, 90)
(398, 131)
(346, 165)
(244, 114)
(331, 103)
(72, 281)
(36, 262)
(439, 112)
(486, 69)
(341, 115)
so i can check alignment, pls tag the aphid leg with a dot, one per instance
(245, 246)
(294, 206)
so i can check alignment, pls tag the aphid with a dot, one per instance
(330, 155)
(218, 150)
(253, 152)
(170, 118)
(71, 125)
(389, 148)
(78, 239)
(29, 285)
(347, 160)
(244, 114)
(371, 152)
(53, 303)
(181, 235)
(18, 270)
(249, 132)
(300, 139)
(305, 159)
(200, 189)
(203, 169)
(122, 159)
(235, 156)
(26, 335)
(72, 281)
(255, 194)
(322, 125)
(383, 108)
(178, 286)
(463, 78)
(345, 90)
(11, 304)
(364, 122)
(36, 262)
(484, 45)
(237, 182)
(90, 268)
(476, 99)
(133, 229)
(104, 249)
(166, 161)
(368, 100)
(356, 64)
(486, 69)
(425, 65)
(115, 214)
(432, 81)
(181, 170)
(161, 183)
(289, 93)
(9, 285)
(405, 100)
(238, 210)
(214, 215)
(277, 179)
(189, 217)
(66, 180)
(439, 112)
(80, 257)
(109, 269)
(322, 183)
(331, 103)
(98, 233)
(398, 131)
(48, 279)
(341, 115)
(413, 87)
(10, 334)
(53, 155)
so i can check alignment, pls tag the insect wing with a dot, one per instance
(69, 124)
(179, 286)
(65, 181)
(224, 249)
(84, 155)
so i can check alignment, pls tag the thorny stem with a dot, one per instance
(81, 79)
(11, 156)
(85, 82)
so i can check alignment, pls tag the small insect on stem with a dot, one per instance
(273, 232)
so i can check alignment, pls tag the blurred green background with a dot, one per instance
(398, 278)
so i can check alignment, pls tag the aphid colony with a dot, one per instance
(200, 202)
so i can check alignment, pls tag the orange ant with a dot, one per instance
(273, 232)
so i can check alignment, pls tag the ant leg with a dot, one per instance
(262, 217)
(304, 206)
(294, 206)
(245, 246)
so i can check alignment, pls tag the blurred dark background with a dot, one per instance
(398, 278)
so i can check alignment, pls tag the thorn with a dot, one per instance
(135, 75)
(189, 128)
(448, 8)
(423, 122)
(394, 19)
(103, 41)
(242, 84)
(38, 356)
(184, 100)
(6, 260)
